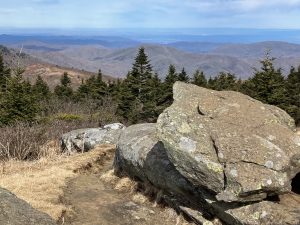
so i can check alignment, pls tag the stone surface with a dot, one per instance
(230, 144)
(83, 140)
(14, 211)
(142, 156)
(267, 213)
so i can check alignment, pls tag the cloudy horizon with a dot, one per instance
(273, 14)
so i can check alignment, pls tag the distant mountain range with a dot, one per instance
(49, 72)
(115, 55)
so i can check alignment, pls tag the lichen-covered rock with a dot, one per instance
(234, 146)
(140, 155)
(83, 140)
(14, 211)
(263, 213)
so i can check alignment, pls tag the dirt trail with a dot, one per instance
(95, 202)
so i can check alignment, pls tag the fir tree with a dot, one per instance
(5, 74)
(137, 102)
(293, 90)
(171, 78)
(267, 84)
(18, 102)
(199, 79)
(41, 89)
(182, 76)
(225, 81)
(64, 90)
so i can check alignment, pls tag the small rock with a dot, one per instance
(83, 140)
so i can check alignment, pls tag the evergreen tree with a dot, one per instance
(113, 89)
(139, 99)
(171, 78)
(64, 90)
(152, 106)
(199, 79)
(5, 74)
(267, 84)
(41, 89)
(94, 88)
(293, 90)
(225, 81)
(211, 83)
(182, 76)
(18, 102)
(127, 107)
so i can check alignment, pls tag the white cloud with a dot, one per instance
(152, 13)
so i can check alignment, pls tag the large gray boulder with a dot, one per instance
(14, 211)
(83, 140)
(140, 155)
(238, 148)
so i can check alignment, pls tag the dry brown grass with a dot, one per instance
(41, 183)
(52, 74)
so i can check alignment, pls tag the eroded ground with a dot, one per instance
(95, 201)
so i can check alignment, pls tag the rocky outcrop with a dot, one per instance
(217, 154)
(83, 140)
(14, 211)
(232, 145)
(140, 155)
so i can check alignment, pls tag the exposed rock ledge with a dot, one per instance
(222, 154)
(14, 211)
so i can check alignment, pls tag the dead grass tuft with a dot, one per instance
(41, 182)
(125, 184)
(110, 177)
(139, 198)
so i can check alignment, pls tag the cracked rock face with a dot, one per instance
(234, 146)
(140, 154)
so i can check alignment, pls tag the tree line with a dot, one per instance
(142, 95)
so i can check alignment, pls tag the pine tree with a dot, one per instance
(225, 81)
(137, 90)
(41, 89)
(128, 99)
(5, 74)
(267, 84)
(211, 83)
(113, 89)
(18, 102)
(199, 79)
(152, 104)
(171, 78)
(293, 90)
(94, 88)
(182, 76)
(64, 90)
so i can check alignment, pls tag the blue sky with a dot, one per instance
(149, 13)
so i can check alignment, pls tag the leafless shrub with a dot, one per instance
(24, 141)
(21, 141)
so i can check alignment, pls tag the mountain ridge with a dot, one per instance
(212, 58)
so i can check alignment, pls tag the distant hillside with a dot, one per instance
(119, 61)
(107, 41)
(211, 58)
(50, 73)
(256, 50)
(14, 58)
(195, 47)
